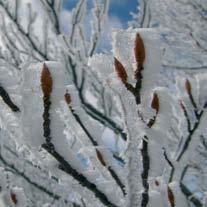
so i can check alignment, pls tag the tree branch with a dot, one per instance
(7, 100)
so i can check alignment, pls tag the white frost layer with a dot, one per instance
(102, 64)
(32, 105)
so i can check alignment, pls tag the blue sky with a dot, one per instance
(118, 8)
(119, 15)
(122, 9)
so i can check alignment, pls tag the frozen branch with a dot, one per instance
(6, 98)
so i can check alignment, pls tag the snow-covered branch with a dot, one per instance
(182, 25)
(85, 129)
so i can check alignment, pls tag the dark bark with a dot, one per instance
(7, 100)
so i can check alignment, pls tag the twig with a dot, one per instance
(145, 172)
(7, 100)
(99, 155)
(171, 165)
(187, 192)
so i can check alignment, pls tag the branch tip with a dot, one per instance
(100, 157)
(171, 197)
(120, 70)
(46, 81)
(188, 87)
(13, 198)
(155, 103)
(139, 50)
(67, 98)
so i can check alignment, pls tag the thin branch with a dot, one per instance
(21, 174)
(49, 7)
(188, 139)
(90, 110)
(189, 195)
(77, 176)
(170, 164)
(7, 100)
(144, 13)
(184, 67)
(186, 115)
(97, 115)
(47, 84)
(99, 15)
(145, 172)
(26, 36)
(111, 171)
(76, 19)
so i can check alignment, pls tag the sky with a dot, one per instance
(121, 9)
(118, 16)
(118, 9)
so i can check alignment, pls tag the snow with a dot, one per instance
(103, 70)
(26, 165)
(151, 70)
(32, 106)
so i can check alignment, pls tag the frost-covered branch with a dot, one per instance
(100, 14)
(25, 35)
(96, 129)
(95, 144)
(181, 24)
(53, 9)
(149, 129)
(187, 192)
(28, 47)
(7, 100)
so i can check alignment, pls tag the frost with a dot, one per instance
(123, 129)
(181, 25)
